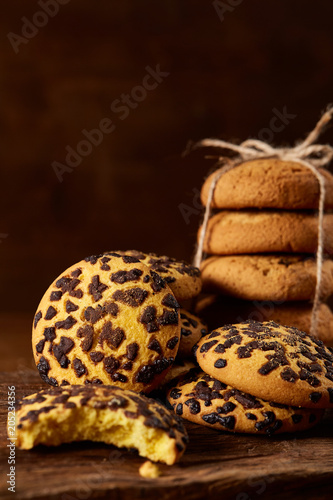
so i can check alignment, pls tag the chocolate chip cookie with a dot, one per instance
(106, 414)
(207, 401)
(269, 361)
(107, 319)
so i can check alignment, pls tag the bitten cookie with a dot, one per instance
(107, 319)
(107, 414)
(218, 310)
(191, 329)
(247, 232)
(270, 183)
(207, 401)
(266, 277)
(183, 279)
(272, 362)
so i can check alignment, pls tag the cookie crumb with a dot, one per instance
(149, 470)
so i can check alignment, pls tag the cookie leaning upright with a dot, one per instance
(269, 361)
(107, 319)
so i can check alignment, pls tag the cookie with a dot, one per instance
(266, 277)
(270, 183)
(247, 232)
(218, 310)
(107, 320)
(191, 329)
(180, 368)
(106, 414)
(207, 401)
(183, 279)
(269, 361)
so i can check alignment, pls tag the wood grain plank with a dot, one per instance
(242, 467)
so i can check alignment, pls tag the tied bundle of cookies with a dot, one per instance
(268, 250)
(106, 331)
(257, 378)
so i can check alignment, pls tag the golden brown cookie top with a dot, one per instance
(270, 361)
(207, 401)
(183, 279)
(107, 319)
(271, 183)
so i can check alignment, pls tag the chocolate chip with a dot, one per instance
(76, 273)
(55, 296)
(37, 318)
(133, 297)
(219, 348)
(40, 346)
(168, 318)
(127, 366)
(125, 276)
(154, 345)
(119, 377)
(111, 364)
(227, 422)
(208, 345)
(96, 288)
(226, 408)
(170, 301)
(218, 386)
(171, 344)
(246, 400)
(43, 367)
(66, 324)
(194, 406)
(70, 307)
(179, 409)
(158, 282)
(148, 318)
(315, 397)
(175, 393)
(96, 356)
(60, 350)
(251, 416)
(132, 351)
(49, 334)
(113, 336)
(50, 313)
(111, 308)
(210, 418)
(289, 375)
(79, 367)
(220, 363)
(87, 332)
(268, 367)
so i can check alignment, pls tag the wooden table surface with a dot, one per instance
(215, 465)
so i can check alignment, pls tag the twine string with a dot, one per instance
(310, 155)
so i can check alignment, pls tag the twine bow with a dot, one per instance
(312, 156)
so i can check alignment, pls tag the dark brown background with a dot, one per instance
(225, 79)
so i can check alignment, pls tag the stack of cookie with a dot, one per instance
(262, 242)
(257, 378)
